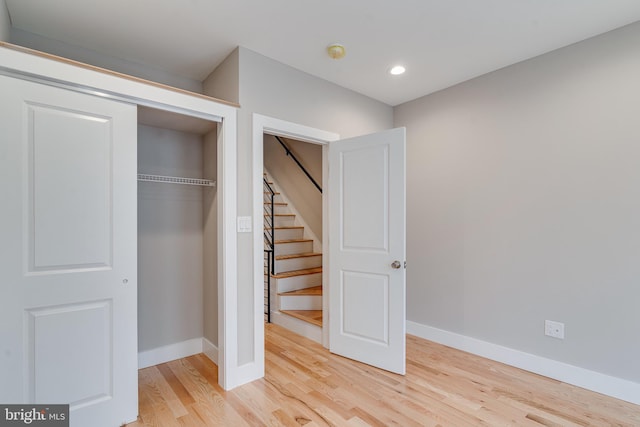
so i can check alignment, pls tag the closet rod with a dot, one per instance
(176, 180)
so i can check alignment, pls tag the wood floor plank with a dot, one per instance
(179, 391)
(158, 400)
(168, 394)
(305, 385)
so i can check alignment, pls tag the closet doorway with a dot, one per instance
(177, 236)
(86, 231)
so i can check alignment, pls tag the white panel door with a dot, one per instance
(367, 249)
(68, 262)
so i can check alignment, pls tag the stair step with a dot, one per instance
(282, 220)
(277, 198)
(291, 256)
(315, 291)
(300, 261)
(293, 247)
(311, 316)
(299, 302)
(294, 273)
(283, 241)
(279, 208)
(297, 279)
(289, 233)
(301, 299)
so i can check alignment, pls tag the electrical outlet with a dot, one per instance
(554, 329)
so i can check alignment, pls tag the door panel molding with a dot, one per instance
(92, 323)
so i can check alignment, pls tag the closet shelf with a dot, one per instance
(176, 180)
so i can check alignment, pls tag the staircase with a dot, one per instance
(296, 280)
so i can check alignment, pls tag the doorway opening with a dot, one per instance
(275, 127)
(178, 225)
(292, 220)
(365, 227)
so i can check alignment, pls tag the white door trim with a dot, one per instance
(261, 125)
(63, 74)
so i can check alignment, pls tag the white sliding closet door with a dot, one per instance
(68, 252)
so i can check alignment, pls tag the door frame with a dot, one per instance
(269, 125)
(55, 71)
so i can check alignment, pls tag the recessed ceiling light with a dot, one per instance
(397, 70)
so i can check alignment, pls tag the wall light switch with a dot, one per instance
(244, 224)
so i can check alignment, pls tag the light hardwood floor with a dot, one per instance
(306, 385)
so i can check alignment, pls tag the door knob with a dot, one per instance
(396, 264)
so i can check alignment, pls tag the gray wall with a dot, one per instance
(273, 89)
(523, 191)
(5, 22)
(299, 190)
(223, 82)
(170, 239)
(55, 47)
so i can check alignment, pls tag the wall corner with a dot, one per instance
(223, 82)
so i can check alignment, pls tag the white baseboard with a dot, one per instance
(584, 378)
(178, 350)
(210, 350)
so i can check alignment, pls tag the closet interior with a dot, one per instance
(177, 235)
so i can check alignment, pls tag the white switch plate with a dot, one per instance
(554, 329)
(244, 224)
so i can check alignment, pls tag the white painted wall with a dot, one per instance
(299, 190)
(273, 89)
(170, 240)
(5, 22)
(55, 47)
(524, 205)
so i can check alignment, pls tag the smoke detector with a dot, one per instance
(336, 51)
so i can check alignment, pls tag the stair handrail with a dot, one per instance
(295, 159)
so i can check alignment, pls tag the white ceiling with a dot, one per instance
(441, 42)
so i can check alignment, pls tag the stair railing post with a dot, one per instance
(270, 239)
(269, 261)
(273, 236)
